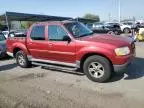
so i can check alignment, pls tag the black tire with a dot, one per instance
(116, 33)
(111, 32)
(126, 30)
(26, 62)
(104, 62)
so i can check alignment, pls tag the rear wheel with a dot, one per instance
(116, 33)
(111, 32)
(22, 60)
(97, 68)
(126, 30)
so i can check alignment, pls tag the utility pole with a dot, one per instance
(109, 16)
(119, 10)
(7, 21)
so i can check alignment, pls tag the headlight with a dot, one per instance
(122, 51)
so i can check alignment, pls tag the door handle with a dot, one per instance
(50, 44)
(30, 43)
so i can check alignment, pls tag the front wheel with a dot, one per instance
(97, 68)
(22, 60)
(126, 30)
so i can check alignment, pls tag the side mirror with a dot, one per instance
(66, 38)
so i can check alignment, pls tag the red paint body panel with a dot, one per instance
(13, 43)
(62, 51)
(73, 51)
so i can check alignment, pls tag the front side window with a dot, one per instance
(38, 33)
(2, 37)
(78, 29)
(56, 33)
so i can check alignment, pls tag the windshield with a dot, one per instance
(78, 29)
(128, 23)
(2, 37)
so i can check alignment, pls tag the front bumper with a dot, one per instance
(121, 68)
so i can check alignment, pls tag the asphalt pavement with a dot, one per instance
(39, 87)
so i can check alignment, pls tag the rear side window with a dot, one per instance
(38, 33)
(56, 33)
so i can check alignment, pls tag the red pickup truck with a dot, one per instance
(70, 45)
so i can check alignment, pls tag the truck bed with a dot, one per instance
(15, 41)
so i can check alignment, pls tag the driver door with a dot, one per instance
(60, 49)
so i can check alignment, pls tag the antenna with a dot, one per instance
(119, 10)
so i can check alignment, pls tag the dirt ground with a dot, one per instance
(39, 87)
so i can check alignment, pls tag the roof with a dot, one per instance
(14, 16)
(54, 22)
(86, 20)
(57, 22)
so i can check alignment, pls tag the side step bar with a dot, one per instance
(76, 65)
(61, 68)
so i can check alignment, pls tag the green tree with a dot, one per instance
(91, 16)
(26, 24)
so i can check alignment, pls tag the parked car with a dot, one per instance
(99, 28)
(69, 45)
(2, 46)
(127, 26)
(115, 27)
(104, 28)
(18, 33)
(5, 33)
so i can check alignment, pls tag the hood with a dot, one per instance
(118, 41)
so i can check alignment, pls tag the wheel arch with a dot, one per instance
(84, 57)
(19, 46)
(126, 28)
(15, 50)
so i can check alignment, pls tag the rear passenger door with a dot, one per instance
(60, 49)
(37, 43)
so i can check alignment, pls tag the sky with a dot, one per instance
(76, 8)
